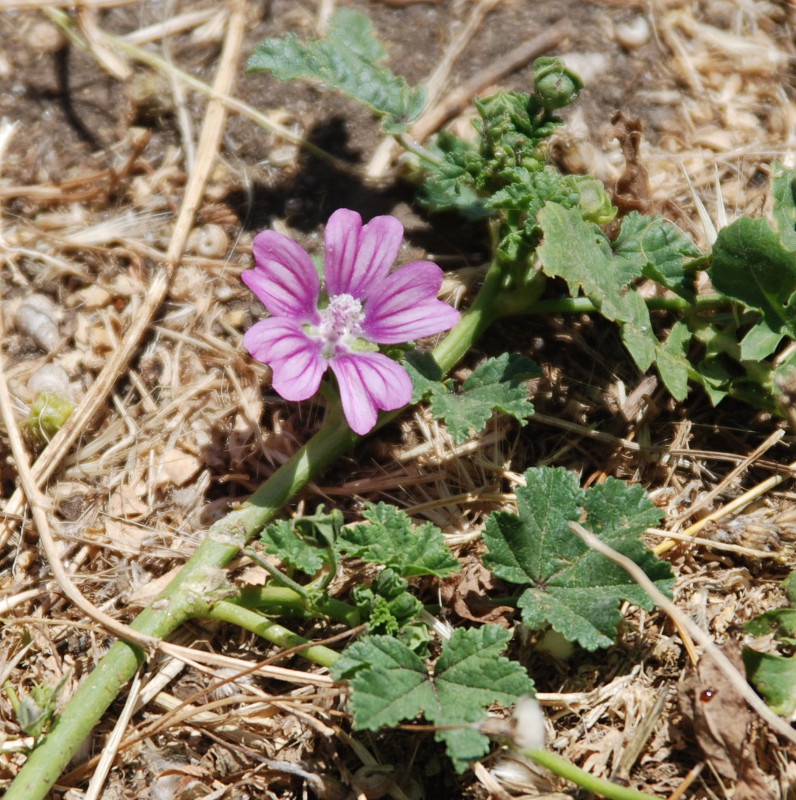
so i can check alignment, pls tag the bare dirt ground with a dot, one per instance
(105, 214)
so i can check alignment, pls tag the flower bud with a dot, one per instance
(555, 86)
(595, 202)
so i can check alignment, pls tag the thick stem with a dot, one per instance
(478, 318)
(186, 596)
(183, 598)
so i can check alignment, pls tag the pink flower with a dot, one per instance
(341, 323)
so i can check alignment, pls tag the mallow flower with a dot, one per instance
(339, 323)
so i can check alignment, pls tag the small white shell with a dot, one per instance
(50, 378)
(36, 317)
(633, 34)
(212, 241)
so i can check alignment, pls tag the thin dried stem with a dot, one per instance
(736, 505)
(111, 748)
(684, 621)
(38, 503)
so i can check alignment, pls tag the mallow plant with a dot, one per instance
(347, 331)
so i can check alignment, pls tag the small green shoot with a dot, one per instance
(47, 416)
(35, 710)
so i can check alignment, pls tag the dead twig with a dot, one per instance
(730, 508)
(686, 623)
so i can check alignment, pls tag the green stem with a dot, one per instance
(418, 150)
(473, 323)
(583, 305)
(185, 597)
(272, 631)
(565, 769)
(277, 575)
(182, 599)
(280, 601)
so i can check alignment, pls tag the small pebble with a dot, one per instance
(46, 38)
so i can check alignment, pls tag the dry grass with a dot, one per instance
(140, 252)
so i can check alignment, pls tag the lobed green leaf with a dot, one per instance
(390, 684)
(581, 254)
(499, 384)
(280, 539)
(783, 190)
(346, 59)
(655, 248)
(571, 587)
(752, 265)
(392, 540)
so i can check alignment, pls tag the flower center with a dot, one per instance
(340, 324)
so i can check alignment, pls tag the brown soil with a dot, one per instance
(91, 184)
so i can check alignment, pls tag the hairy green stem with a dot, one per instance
(188, 594)
(583, 305)
(281, 601)
(272, 631)
(565, 769)
(185, 597)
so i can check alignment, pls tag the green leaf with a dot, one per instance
(425, 374)
(280, 540)
(655, 248)
(780, 621)
(789, 585)
(751, 265)
(715, 378)
(346, 59)
(392, 540)
(571, 587)
(580, 253)
(390, 684)
(528, 191)
(499, 384)
(672, 362)
(783, 189)
(760, 342)
(774, 677)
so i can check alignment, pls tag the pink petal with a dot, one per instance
(358, 257)
(406, 307)
(294, 358)
(368, 382)
(285, 279)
